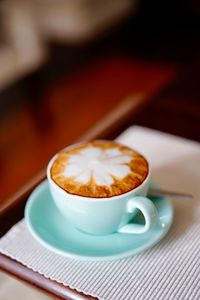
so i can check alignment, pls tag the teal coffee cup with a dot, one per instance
(107, 214)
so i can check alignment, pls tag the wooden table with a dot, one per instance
(123, 103)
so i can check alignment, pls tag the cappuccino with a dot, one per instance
(99, 169)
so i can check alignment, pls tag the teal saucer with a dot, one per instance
(50, 228)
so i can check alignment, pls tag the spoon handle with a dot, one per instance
(158, 192)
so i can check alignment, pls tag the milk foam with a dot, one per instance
(101, 165)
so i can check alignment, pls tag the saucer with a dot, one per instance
(50, 228)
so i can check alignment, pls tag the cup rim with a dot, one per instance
(88, 198)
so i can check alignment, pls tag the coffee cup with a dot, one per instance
(99, 187)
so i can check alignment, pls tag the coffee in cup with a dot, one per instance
(99, 186)
(99, 169)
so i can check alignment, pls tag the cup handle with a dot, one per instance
(149, 212)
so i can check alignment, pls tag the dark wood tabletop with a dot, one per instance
(100, 99)
(126, 113)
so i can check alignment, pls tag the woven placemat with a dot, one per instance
(170, 270)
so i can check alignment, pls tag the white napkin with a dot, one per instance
(169, 270)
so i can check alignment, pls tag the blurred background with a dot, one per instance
(65, 65)
(69, 69)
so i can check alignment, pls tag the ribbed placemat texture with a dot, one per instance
(170, 270)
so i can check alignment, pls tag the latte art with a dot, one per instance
(99, 169)
(101, 165)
